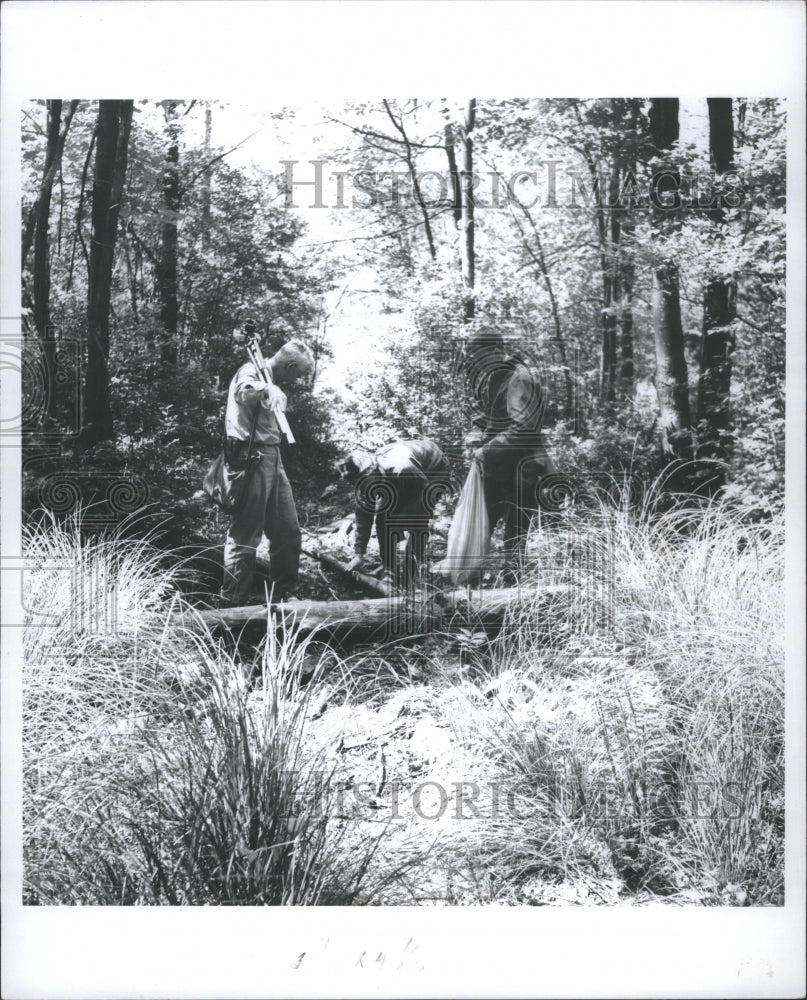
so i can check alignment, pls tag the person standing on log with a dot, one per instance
(397, 489)
(268, 504)
(509, 402)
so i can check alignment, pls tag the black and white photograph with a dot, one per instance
(400, 508)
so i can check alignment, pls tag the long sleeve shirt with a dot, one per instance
(416, 463)
(509, 411)
(244, 400)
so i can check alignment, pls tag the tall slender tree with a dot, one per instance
(624, 220)
(607, 130)
(53, 159)
(719, 315)
(409, 158)
(453, 171)
(671, 368)
(603, 188)
(467, 210)
(206, 176)
(111, 152)
(40, 214)
(167, 263)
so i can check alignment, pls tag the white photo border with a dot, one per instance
(288, 52)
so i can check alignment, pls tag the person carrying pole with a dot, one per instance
(254, 421)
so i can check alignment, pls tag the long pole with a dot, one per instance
(256, 356)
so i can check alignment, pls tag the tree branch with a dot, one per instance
(375, 236)
(141, 245)
(375, 134)
(215, 159)
(415, 185)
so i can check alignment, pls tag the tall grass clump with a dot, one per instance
(157, 768)
(641, 721)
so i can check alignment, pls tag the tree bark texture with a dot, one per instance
(627, 270)
(627, 275)
(114, 125)
(41, 283)
(719, 314)
(167, 262)
(331, 562)
(456, 190)
(671, 369)
(206, 175)
(671, 379)
(613, 220)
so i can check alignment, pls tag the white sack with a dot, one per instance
(469, 535)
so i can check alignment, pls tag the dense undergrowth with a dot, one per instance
(643, 724)
(634, 726)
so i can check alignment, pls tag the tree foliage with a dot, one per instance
(554, 241)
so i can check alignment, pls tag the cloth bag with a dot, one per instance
(226, 486)
(469, 535)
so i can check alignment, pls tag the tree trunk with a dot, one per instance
(330, 562)
(608, 346)
(53, 159)
(167, 265)
(671, 368)
(114, 125)
(721, 133)
(538, 258)
(456, 190)
(467, 191)
(719, 314)
(206, 176)
(398, 125)
(78, 236)
(608, 237)
(41, 283)
(627, 272)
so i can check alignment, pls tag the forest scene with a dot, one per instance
(595, 713)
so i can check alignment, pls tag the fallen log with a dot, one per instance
(308, 617)
(387, 617)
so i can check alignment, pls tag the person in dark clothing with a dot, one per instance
(509, 403)
(397, 489)
(268, 504)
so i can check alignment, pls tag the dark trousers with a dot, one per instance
(511, 495)
(391, 530)
(268, 507)
(407, 516)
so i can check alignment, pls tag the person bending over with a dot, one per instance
(397, 489)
